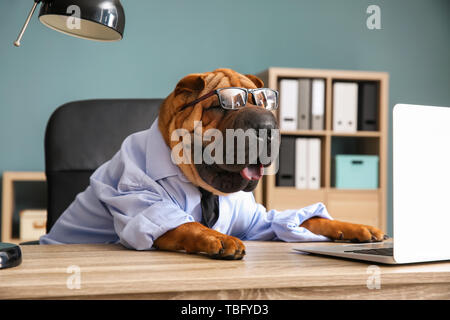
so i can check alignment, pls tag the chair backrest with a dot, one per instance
(81, 136)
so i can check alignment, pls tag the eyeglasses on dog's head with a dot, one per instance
(233, 98)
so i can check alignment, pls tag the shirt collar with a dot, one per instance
(159, 164)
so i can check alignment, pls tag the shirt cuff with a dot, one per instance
(286, 224)
(143, 230)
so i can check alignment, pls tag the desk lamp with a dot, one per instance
(99, 20)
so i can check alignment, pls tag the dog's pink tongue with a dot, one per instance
(252, 172)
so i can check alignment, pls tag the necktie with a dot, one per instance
(210, 208)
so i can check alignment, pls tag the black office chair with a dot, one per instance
(82, 135)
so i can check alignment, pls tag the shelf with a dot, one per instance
(304, 133)
(290, 189)
(331, 189)
(14, 240)
(9, 178)
(24, 175)
(353, 75)
(364, 134)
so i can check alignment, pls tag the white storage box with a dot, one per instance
(32, 224)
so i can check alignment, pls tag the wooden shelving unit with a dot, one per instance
(8, 199)
(359, 206)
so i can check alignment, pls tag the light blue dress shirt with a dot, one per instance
(139, 195)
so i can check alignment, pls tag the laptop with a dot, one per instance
(421, 192)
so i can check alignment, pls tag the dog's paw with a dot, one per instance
(194, 237)
(219, 246)
(359, 233)
(339, 230)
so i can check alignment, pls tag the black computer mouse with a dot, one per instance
(10, 255)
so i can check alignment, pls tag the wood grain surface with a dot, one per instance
(270, 270)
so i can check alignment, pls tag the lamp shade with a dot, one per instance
(100, 20)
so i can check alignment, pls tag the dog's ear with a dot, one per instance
(190, 83)
(257, 81)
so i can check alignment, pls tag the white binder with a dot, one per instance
(301, 163)
(345, 106)
(288, 104)
(314, 166)
(318, 104)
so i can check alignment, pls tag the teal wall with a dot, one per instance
(165, 40)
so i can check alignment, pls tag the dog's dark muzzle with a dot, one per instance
(251, 141)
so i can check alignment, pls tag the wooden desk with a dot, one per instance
(270, 270)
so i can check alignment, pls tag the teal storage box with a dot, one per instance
(356, 171)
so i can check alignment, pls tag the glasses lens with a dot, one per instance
(266, 98)
(232, 98)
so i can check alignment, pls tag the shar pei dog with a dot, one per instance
(186, 183)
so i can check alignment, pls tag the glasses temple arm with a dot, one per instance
(194, 102)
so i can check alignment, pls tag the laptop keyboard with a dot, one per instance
(378, 252)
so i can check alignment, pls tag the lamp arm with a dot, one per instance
(17, 42)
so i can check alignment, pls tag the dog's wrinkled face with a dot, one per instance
(221, 174)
